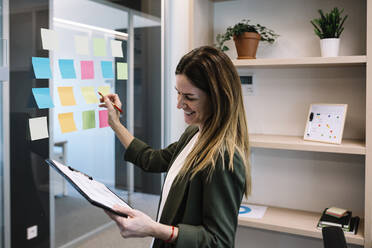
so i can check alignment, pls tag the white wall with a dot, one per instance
(291, 20)
(183, 34)
(177, 44)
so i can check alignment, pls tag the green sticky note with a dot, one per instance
(122, 71)
(89, 119)
(99, 47)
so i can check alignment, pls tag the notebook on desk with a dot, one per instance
(95, 192)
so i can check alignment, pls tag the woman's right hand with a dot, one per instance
(113, 114)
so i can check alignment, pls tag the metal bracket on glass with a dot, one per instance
(4, 60)
(4, 74)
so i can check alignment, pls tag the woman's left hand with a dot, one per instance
(137, 224)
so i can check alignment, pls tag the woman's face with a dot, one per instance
(193, 101)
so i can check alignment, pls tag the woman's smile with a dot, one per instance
(193, 101)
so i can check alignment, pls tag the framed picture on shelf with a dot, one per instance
(325, 123)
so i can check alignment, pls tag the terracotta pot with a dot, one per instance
(246, 45)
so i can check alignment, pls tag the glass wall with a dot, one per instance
(147, 93)
(85, 31)
(91, 146)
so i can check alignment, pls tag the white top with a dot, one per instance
(174, 170)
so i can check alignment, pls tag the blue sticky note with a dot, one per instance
(41, 67)
(107, 71)
(43, 98)
(67, 69)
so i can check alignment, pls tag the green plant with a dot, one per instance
(267, 35)
(329, 25)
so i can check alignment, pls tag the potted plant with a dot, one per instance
(329, 28)
(246, 37)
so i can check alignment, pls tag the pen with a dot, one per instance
(91, 178)
(113, 104)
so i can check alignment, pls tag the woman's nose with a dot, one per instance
(180, 102)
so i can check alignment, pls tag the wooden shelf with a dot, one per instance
(296, 222)
(302, 62)
(348, 146)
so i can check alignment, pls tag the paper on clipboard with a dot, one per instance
(95, 192)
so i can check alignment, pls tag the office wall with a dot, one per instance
(177, 44)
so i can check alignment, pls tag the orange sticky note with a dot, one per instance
(89, 94)
(67, 123)
(66, 96)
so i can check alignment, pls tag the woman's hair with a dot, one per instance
(225, 131)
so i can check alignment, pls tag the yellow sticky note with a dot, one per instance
(122, 71)
(67, 123)
(89, 94)
(105, 90)
(66, 96)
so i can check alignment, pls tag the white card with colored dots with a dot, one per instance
(325, 123)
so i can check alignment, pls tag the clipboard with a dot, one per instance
(325, 123)
(95, 192)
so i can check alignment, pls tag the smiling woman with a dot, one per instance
(208, 169)
(193, 101)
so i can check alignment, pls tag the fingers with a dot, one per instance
(115, 99)
(107, 103)
(124, 210)
(109, 100)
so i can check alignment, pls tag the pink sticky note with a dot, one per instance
(87, 69)
(103, 118)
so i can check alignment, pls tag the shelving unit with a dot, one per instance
(278, 72)
(348, 146)
(295, 222)
(345, 61)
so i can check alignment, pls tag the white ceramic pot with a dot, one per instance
(330, 47)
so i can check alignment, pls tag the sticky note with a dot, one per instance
(89, 94)
(67, 69)
(103, 118)
(107, 71)
(87, 69)
(38, 128)
(81, 45)
(89, 120)
(66, 122)
(116, 48)
(49, 39)
(41, 67)
(66, 96)
(43, 98)
(99, 47)
(105, 90)
(122, 71)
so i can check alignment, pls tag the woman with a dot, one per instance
(208, 168)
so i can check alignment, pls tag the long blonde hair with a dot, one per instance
(225, 131)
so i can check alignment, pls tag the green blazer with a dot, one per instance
(206, 212)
